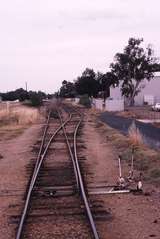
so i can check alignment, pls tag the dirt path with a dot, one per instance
(16, 153)
(132, 217)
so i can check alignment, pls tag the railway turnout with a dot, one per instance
(56, 203)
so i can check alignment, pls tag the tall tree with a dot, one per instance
(105, 81)
(132, 67)
(87, 83)
(67, 89)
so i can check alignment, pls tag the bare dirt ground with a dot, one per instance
(132, 216)
(15, 155)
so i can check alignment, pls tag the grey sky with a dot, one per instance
(45, 42)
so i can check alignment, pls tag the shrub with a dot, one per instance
(135, 136)
(35, 99)
(84, 100)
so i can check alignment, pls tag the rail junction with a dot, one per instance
(56, 203)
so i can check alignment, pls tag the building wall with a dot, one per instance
(110, 105)
(151, 88)
(115, 93)
(114, 105)
(97, 103)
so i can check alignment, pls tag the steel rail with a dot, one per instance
(70, 152)
(40, 151)
(82, 190)
(81, 185)
(42, 145)
(27, 201)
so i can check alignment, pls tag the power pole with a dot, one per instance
(26, 86)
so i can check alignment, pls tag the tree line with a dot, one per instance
(128, 71)
(32, 97)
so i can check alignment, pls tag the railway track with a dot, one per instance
(56, 204)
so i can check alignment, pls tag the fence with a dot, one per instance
(110, 105)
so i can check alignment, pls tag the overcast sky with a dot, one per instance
(45, 42)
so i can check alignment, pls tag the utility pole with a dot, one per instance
(26, 86)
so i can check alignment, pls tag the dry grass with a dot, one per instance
(15, 119)
(21, 115)
(136, 138)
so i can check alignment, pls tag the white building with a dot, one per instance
(150, 94)
(108, 105)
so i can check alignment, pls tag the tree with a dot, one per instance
(132, 67)
(19, 94)
(87, 83)
(67, 89)
(36, 99)
(105, 81)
